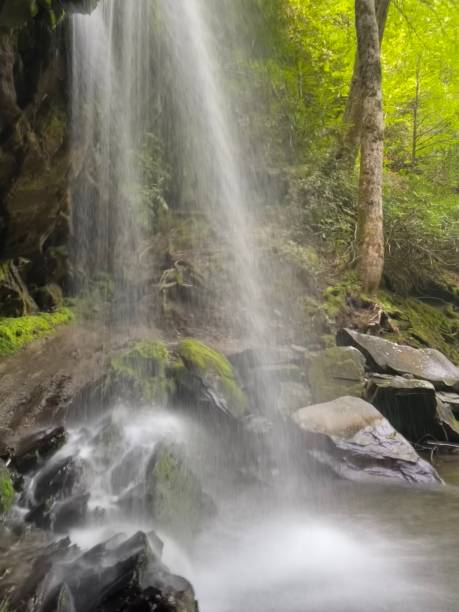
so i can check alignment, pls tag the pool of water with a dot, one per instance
(343, 548)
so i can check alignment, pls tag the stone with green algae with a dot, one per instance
(144, 367)
(215, 373)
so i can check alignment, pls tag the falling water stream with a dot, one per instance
(296, 544)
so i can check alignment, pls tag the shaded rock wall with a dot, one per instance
(34, 152)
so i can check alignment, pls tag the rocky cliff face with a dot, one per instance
(34, 152)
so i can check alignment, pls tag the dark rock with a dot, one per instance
(391, 358)
(25, 563)
(409, 404)
(37, 448)
(57, 480)
(49, 297)
(117, 575)
(336, 372)
(357, 442)
(69, 513)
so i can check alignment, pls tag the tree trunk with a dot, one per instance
(349, 145)
(370, 220)
(414, 145)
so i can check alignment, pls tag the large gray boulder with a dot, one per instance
(391, 358)
(354, 439)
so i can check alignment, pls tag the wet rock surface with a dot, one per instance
(33, 450)
(121, 574)
(357, 442)
(388, 357)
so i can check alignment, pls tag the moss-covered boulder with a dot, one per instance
(143, 369)
(178, 503)
(6, 490)
(205, 372)
(336, 372)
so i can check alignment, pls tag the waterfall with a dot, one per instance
(112, 115)
(215, 153)
(267, 539)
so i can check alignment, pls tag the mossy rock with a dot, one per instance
(336, 372)
(422, 325)
(214, 371)
(19, 331)
(178, 503)
(144, 368)
(6, 490)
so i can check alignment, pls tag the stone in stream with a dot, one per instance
(119, 574)
(336, 372)
(388, 357)
(351, 437)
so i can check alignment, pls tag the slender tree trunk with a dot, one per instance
(370, 220)
(349, 146)
(414, 145)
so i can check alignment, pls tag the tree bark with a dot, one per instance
(414, 145)
(370, 233)
(349, 146)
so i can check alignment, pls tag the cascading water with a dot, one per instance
(112, 117)
(259, 547)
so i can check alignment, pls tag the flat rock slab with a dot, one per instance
(353, 438)
(392, 358)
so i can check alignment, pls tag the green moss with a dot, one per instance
(6, 491)
(178, 502)
(423, 325)
(17, 332)
(144, 367)
(336, 296)
(215, 369)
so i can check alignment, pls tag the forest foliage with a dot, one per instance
(298, 67)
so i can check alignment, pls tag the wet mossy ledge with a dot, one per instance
(17, 332)
(154, 372)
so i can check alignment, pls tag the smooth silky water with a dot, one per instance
(291, 543)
